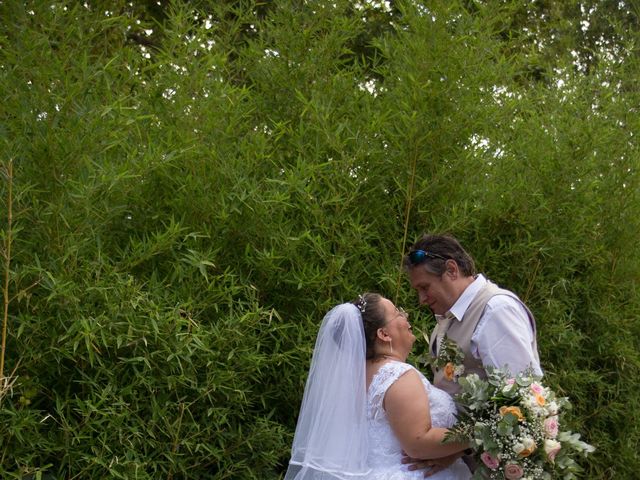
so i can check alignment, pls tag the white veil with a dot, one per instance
(331, 436)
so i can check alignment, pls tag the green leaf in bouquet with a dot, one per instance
(484, 435)
(526, 378)
(495, 376)
(568, 466)
(481, 473)
(459, 433)
(504, 429)
(475, 392)
(510, 394)
(505, 426)
(450, 351)
(573, 441)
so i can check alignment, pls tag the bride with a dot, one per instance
(363, 405)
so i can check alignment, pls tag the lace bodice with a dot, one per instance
(385, 451)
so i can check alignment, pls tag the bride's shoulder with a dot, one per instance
(387, 372)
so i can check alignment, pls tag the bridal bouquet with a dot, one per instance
(513, 424)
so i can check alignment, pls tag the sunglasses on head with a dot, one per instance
(418, 256)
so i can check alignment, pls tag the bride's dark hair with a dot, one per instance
(372, 318)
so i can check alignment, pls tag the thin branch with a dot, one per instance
(407, 212)
(25, 290)
(7, 265)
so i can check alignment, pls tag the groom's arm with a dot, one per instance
(504, 336)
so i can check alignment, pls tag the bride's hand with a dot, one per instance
(430, 467)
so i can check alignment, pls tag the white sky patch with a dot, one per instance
(179, 68)
(169, 93)
(483, 145)
(424, 11)
(479, 142)
(370, 86)
(500, 93)
(264, 129)
(576, 61)
(208, 45)
(383, 5)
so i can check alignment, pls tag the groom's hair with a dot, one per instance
(441, 248)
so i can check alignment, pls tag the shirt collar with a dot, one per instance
(462, 304)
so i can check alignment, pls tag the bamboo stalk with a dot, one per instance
(7, 264)
(407, 212)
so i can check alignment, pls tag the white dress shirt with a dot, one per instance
(504, 335)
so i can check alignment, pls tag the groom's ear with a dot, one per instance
(452, 270)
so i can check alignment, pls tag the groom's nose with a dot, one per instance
(422, 298)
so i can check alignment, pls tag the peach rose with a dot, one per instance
(512, 410)
(449, 370)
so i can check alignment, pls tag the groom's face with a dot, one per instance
(438, 292)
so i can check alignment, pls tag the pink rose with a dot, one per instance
(489, 460)
(551, 427)
(537, 389)
(513, 471)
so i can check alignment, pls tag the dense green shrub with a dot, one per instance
(195, 184)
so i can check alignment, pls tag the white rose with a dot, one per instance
(529, 443)
(551, 448)
(518, 447)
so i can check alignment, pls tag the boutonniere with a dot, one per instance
(450, 359)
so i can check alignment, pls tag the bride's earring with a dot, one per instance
(391, 346)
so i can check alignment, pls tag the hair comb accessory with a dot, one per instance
(362, 303)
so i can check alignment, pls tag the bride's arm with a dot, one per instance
(407, 405)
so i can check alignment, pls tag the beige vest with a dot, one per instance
(462, 331)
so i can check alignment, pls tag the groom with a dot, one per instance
(490, 326)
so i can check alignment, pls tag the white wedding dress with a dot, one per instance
(385, 452)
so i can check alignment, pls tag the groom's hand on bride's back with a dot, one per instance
(430, 467)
